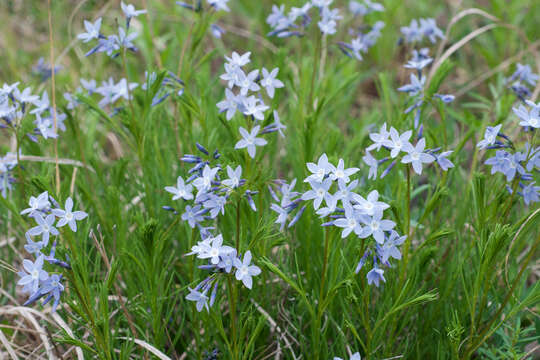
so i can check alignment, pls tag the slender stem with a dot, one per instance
(314, 73)
(238, 225)
(232, 310)
(407, 227)
(53, 84)
(325, 264)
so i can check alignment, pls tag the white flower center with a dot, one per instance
(69, 216)
(490, 138)
(533, 121)
(352, 223)
(340, 174)
(243, 270)
(368, 206)
(375, 225)
(35, 274)
(46, 228)
(214, 252)
(415, 156)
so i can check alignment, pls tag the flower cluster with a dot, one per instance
(212, 194)
(516, 166)
(362, 42)
(36, 281)
(416, 32)
(7, 164)
(415, 89)
(112, 44)
(289, 201)
(215, 4)
(248, 100)
(521, 80)
(15, 105)
(285, 25)
(417, 155)
(222, 259)
(296, 21)
(346, 209)
(110, 90)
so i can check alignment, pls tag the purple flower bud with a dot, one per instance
(202, 149)
(387, 170)
(297, 217)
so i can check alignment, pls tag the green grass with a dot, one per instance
(466, 288)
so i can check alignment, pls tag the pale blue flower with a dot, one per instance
(129, 10)
(230, 104)
(200, 298)
(282, 215)
(68, 216)
(331, 204)
(192, 215)
(490, 136)
(318, 192)
(244, 270)
(376, 226)
(524, 73)
(181, 191)
(412, 33)
(253, 106)
(371, 205)
(219, 4)
(429, 29)
(397, 141)
(419, 60)
(204, 183)
(215, 204)
(250, 140)
(269, 81)
(531, 193)
(375, 275)
(39, 204)
(340, 173)
(416, 156)
(92, 30)
(215, 250)
(45, 227)
(349, 223)
(443, 161)
(234, 177)
(247, 82)
(34, 274)
(345, 192)
(319, 170)
(372, 163)
(528, 117)
(238, 60)
(389, 248)
(227, 261)
(506, 163)
(379, 139)
(415, 87)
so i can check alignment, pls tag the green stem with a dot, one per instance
(485, 333)
(232, 310)
(408, 240)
